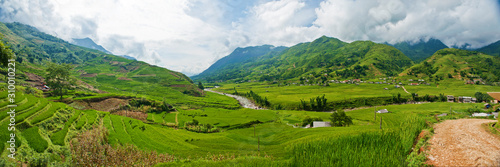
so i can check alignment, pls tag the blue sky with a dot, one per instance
(189, 35)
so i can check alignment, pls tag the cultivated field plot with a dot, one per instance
(495, 95)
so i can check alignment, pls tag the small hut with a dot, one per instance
(382, 111)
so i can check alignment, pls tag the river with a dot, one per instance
(244, 102)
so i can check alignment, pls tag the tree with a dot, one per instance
(5, 54)
(200, 86)
(339, 118)
(308, 120)
(59, 78)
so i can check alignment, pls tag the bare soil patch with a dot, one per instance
(131, 114)
(145, 75)
(463, 142)
(88, 75)
(125, 79)
(104, 105)
(35, 80)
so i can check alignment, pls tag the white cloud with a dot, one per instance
(453, 22)
(190, 35)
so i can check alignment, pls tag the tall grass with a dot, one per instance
(384, 148)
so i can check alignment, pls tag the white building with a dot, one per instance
(321, 124)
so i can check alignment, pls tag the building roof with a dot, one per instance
(382, 111)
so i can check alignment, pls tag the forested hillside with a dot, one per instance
(324, 58)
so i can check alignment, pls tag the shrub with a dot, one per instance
(91, 149)
(339, 118)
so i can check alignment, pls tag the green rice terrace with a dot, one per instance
(320, 103)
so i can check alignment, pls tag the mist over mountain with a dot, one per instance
(420, 50)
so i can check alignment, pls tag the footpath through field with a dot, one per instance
(244, 102)
(463, 142)
(405, 90)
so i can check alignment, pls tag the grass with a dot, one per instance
(47, 114)
(59, 136)
(291, 95)
(35, 141)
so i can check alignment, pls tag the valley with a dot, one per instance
(320, 103)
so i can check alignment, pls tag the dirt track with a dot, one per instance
(463, 143)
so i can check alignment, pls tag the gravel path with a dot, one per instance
(244, 102)
(463, 142)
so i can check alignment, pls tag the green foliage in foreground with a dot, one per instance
(385, 148)
(34, 139)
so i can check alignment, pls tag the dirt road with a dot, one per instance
(463, 142)
(244, 102)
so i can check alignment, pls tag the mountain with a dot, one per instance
(98, 70)
(458, 64)
(492, 49)
(89, 43)
(239, 55)
(421, 50)
(127, 57)
(322, 58)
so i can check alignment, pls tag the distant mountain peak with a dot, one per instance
(421, 49)
(89, 43)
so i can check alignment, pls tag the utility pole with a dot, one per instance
(380, 122)
(253, 130)
(258, 143)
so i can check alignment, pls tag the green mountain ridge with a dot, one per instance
(421, 50)
(459, 64)
(324, 56)
(239, 55)
(106, 72)
(491, 49)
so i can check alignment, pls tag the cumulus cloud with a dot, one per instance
(453, 22)
(189, 35)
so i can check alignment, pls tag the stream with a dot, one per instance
(244, 102)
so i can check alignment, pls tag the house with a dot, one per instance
(481, 114)
(386, 88)
(397, 86)
(413, 84)
(494, 101)
(410, 80)
(356, 80)
(477, 81)
(465, 99)
(321, 124)
(382, 111)
(451, 98)
(469, 82)
(473, 100)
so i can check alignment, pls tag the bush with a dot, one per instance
(308, 120)
(339, 118)
(102, 154)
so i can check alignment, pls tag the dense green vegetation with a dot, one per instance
(325, 57)
(157, 115)
(492, 49)
(421, 50)
(460, 64)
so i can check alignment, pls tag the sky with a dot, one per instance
(190, 35)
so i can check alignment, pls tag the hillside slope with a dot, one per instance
(459, 64)
(325, 58)
(492, 49)
(421, 50)
(239, 55)
(103, 71)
